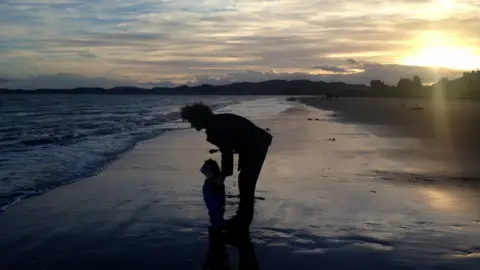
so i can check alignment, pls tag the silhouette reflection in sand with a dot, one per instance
(217, 255)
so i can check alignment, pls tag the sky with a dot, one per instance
(105, 43)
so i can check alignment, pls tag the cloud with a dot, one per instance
(4, 80)
(331, 69)
(370, 71)
(67, 81)
(391, 73)
(352, 61)
(88, 55)
(180, 41)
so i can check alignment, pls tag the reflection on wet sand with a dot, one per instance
(440, 192)
(441, 200)
(217, 256)
(458, 197)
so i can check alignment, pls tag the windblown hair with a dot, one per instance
(196, 111)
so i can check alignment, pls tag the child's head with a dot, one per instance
(210, 168)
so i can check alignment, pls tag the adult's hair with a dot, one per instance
(196, 111)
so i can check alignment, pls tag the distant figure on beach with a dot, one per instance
(234, 134)
(330, 97)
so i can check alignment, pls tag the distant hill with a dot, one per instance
(273, 87)
(467, 86)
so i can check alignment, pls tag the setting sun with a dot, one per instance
(445, 56)
(446, 3)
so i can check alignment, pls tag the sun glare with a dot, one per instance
(446, 3)
(445, 56)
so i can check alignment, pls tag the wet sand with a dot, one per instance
(447, 131)
(351, 203)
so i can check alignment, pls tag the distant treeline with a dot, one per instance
(467, 86)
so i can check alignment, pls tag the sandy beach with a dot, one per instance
(345, 190)
(444, 130)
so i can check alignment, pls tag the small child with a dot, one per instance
(214, 196)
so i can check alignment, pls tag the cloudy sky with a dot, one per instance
(72, 43)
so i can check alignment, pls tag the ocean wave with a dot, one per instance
(60, 148)
(50, 139)
(11, 200)
(8, 139)
(8, 129)
(86, 129)
(88, 125)
(39, 141)
(77, 162)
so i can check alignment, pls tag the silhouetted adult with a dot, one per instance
(234, 134)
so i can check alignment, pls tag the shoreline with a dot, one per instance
(26, 194)
(168, 123)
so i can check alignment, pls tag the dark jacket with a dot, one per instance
(233, 133)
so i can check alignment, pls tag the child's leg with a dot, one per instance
(214, 198)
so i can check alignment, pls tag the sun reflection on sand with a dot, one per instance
(441, 200)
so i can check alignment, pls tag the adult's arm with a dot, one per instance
(227, 161)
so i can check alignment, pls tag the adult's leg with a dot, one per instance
(251, 165)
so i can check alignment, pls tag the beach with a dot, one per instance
(355, 187)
